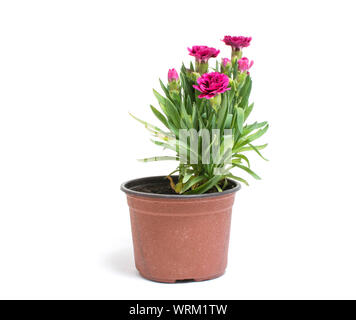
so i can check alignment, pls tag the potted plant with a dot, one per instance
(181, 221)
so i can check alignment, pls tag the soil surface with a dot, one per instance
(165, 188)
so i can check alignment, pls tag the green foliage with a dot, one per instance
(182, 109)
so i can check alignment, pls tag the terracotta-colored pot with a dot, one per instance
(179, 237)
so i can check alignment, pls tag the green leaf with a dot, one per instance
(248, 110)
(238, 179)
(185, 117)
(192, 182)
(169, 109)
(187, 176)
(228, 121)
(148, 125)
(162, 158)
(189, 105)
(234, 68)
(241, 156)
(249, 128)
(248, 170)
(258, 134)
(246, 93)
(164, 145)
(206, 186)
(195, 116)
(242, 149)
(160, 116)
(222, 114)
(165, 90)
(251, 138)
(173, 128)
(259, 153)
(159, 97)
(240, 119)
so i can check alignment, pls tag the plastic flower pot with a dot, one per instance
(179, 237)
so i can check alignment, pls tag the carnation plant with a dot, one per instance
(204, 112)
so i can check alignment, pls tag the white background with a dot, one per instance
(69, 73)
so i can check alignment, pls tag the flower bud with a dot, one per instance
(245, 64)
(225, 65)
(172, 75)
(173, 81)
(225, 62)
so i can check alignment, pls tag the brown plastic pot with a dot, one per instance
(179, 237)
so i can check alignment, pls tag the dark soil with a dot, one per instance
(165, 188)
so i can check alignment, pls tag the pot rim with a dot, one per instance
(125, 187)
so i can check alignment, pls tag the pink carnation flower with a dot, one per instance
(245, 64)
(237, 42)
(225, 61)
(212, 84)
(172, 75)
(203, 53)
